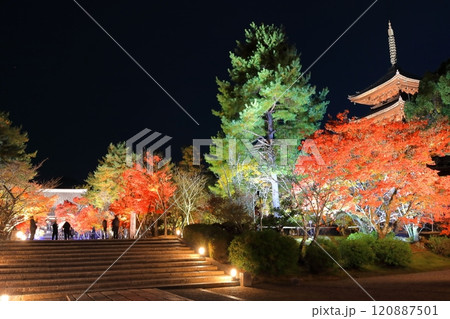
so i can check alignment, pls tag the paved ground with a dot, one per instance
(128, 295)
(409, 287)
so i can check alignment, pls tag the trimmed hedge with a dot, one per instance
(370, 239)
(439, 245)
(316, 259)
(264, 253)
(213, 238)
(356, 253)
(393, 252)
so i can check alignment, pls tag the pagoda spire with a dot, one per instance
(392, 48)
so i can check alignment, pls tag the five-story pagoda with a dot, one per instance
(387, 96)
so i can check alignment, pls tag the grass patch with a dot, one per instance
(422, 261)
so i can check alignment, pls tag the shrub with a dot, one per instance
(230, 211)
(316, 259)
(212, 237)
(393, 252)
(370, 239)
(356, 252)
(264, 252)
(439, 245)
(218, 248)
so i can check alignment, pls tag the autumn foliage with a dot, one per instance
(380, 169)
(144, 191)
(80, 215)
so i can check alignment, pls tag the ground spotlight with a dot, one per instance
(178, 232)
(4, 298)
(201, 251)
(233, 273)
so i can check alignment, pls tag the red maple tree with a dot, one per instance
(80, 215)
(145, 191)
(381, 168)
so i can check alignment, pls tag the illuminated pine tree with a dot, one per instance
(267, 97)
(104, 183)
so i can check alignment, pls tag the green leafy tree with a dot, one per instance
(13, 142)
(433, 100)
(104, 184)
(267, 97)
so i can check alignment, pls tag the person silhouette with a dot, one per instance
(93, 233)
(55, 231)
(66, 228)
(105, 229)
(33, 228)
(115, 227)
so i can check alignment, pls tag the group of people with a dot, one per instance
(68, 230)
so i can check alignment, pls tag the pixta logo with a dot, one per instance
(146, 143)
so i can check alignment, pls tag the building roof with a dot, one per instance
(63, 194)
(386, 88)
(387, 110)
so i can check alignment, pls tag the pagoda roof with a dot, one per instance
(386, 88)
(386, 109)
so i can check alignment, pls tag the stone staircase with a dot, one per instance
(43, 270)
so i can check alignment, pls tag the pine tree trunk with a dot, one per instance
(272, 160)
(275, 191)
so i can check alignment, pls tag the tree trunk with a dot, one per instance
(272, 161)
(413, 232)
(165, 224)
(275, 191)
(156, 227)
(303, 242)
(316, 230)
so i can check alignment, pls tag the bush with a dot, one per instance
(212, 237)
(439, 245)
(230, 211)
(370, 239)
(393, 252)
(316, 259)
(264, 253)
(356, 253)
(218, 248)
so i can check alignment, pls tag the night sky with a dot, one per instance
(74, 91)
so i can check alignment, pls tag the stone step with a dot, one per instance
(95, 245)
(103, 266)
(94, 254)
(46, 267)
(111, 272)
(130, 261)
(106, 242)
(106, 278)
(62, 296)
(123, 284)
(62, 246)
(67, 262)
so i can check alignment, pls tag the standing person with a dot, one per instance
(55, 231)
(115, 227)
(33, 228)
(105, 229)
(93, 233)
(66, 228)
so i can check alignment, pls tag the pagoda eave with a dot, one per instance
(394, 111)
(387, 90)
